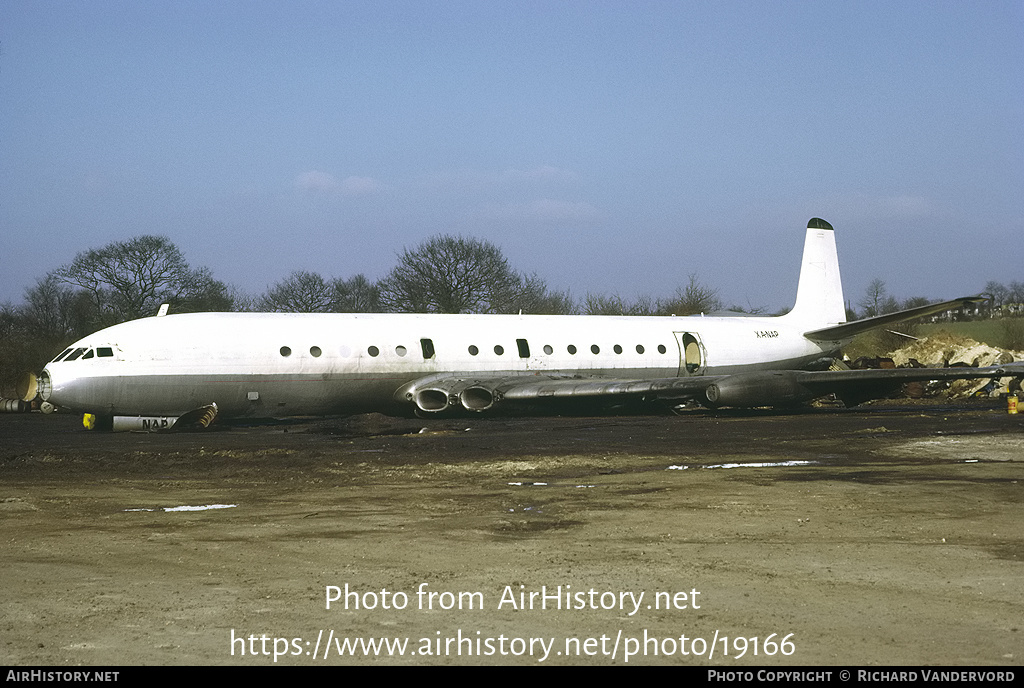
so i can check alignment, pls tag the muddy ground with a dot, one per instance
(880, 535)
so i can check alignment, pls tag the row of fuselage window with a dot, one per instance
(522, 348)
(426, 345)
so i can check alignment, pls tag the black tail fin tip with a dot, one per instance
(818, 223)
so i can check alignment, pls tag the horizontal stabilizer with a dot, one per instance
(851, 329)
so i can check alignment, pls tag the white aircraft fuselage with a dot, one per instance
(275, 364)
(263, 364)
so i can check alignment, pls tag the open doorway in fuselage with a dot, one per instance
(692, 354)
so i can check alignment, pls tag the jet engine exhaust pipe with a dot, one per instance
(469, 396)
(432, 400)
(477, 398)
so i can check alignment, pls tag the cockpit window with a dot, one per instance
(89, 354)
(104, 352)
(74, 354)
(62, 354)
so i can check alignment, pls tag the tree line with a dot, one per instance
(1003, 301)
(445, 274)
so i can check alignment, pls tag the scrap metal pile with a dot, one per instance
(945, 350)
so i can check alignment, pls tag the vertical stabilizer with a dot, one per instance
(819, 294)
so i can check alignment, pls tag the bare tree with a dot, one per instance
(130, 279)
(999, 294)
(533, 296)
(356, 295)
(877, 301)
(692, 299)
(242, 301)
(873, 297)
(309, 292)
(1015, 292)
(599, 304)
(749, 309)
(54, 312)
(450, 274)
(915, 302)
(201, 293)
(299, 292)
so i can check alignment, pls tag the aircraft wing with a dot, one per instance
(480, 393)
(554, 388)
(856, 386)
(748, 389)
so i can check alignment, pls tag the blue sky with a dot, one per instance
(610, 147)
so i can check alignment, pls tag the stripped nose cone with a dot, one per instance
(44, 385)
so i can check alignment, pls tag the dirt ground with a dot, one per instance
(881, 535)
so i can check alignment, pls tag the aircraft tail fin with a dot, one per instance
(819, 293)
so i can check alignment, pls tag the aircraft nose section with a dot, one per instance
(60, 389)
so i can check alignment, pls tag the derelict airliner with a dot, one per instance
(152, 372)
